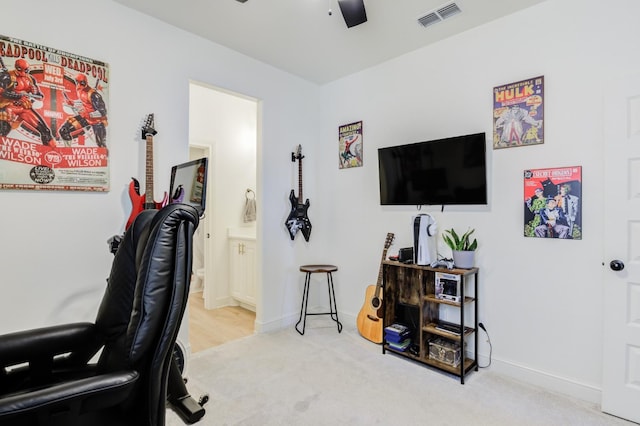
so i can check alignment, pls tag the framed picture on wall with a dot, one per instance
(53, 119)
(518, 113)
(350, 145)
(553, 203)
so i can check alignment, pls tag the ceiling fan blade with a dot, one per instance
(353, 12)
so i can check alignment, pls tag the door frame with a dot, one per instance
(205, 222)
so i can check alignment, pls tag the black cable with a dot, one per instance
(481, 325)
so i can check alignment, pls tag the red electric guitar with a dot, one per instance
(145, 201)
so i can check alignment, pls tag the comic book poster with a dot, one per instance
(553, 203)
(53, 119)
(518, 113)
(350, 145)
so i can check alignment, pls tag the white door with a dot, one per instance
(621, 353)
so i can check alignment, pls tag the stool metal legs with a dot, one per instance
(333, 308)
(305, 299)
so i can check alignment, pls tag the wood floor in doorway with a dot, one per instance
(209, 328)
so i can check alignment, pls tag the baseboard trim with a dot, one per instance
(246, 306)
(547, 381)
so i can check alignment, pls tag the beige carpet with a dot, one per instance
(326, 378)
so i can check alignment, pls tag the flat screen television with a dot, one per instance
(450, 171)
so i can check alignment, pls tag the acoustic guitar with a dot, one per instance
(145, 201)
(370, 316)
(298, 219)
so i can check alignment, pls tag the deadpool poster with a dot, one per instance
(53, 119)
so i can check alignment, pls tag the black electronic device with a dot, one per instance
(353, 12)
(410, 316)
(450, 327)
(405, 254)
(450, 171)
(189, 184)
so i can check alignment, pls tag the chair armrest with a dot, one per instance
(101, 391)
(47, 342)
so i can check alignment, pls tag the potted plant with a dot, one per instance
(462, 247)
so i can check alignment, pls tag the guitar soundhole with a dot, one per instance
(375, 302)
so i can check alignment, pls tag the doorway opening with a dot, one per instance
(223, 126)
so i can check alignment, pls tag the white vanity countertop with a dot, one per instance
(242, 233)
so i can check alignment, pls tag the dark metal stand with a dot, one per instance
(179, 399)
(333, 309)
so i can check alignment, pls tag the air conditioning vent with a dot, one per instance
(429, 19)
(440, 14)
(449, 10)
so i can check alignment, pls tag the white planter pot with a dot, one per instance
(464, 259)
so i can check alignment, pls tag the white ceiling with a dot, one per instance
(300, 37)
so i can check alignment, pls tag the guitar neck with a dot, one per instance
(379, 284)
(148, 195)
(300, 197)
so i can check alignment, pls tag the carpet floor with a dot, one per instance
(326, 378)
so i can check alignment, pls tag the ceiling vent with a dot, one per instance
(440, 14)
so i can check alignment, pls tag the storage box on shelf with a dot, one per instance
(435, 343)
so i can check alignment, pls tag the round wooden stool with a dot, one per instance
(333, 309)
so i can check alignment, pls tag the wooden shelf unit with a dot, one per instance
(414, 286)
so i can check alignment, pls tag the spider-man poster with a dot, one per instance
(53, 119)
(553, 203)
(350, 145)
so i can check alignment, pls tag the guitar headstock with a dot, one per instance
(389, 240)
(297, 155)
(147, 129)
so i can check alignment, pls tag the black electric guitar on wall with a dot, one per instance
(298, 219)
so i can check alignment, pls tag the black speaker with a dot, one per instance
(353, 12)
(405, 255)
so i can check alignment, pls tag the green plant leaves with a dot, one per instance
(460, 243)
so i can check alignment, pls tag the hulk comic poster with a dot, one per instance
(53, 119)
(518, 113)
(553, 203)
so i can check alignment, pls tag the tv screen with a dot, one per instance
(189, 184)
(448, 171)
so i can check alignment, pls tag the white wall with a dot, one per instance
(539, 299)
(54, 254)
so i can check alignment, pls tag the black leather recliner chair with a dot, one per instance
(54, 376)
